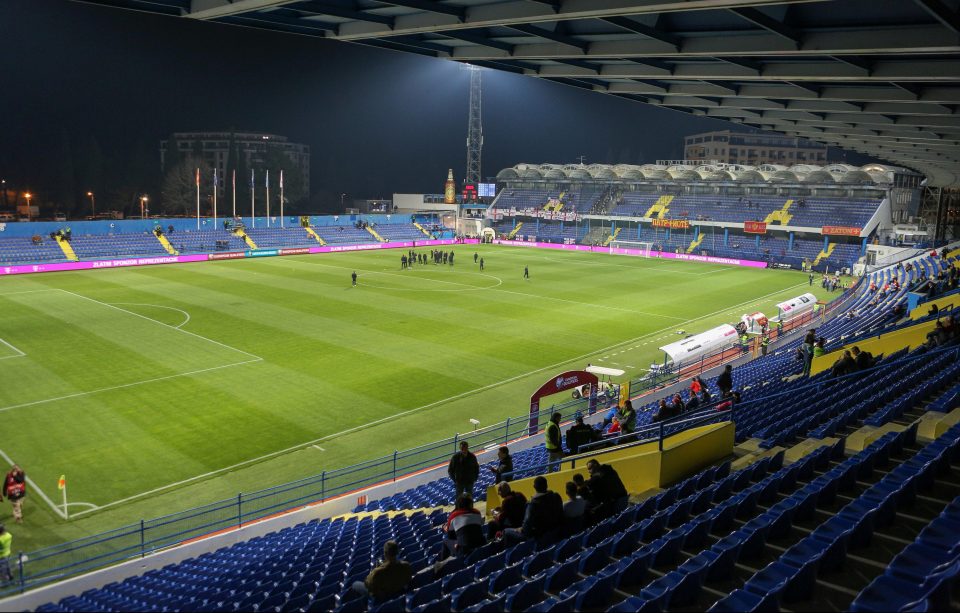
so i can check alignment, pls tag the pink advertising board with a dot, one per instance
(23, 269)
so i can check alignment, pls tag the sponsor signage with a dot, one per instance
(673, 224)
(229, 255)
(841, 231)
(755, 227)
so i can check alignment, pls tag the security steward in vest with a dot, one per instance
(553, 441)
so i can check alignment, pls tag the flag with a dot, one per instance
(268, 178)
(198, 177)
(281, 179)
(252, 173)
(62, 482)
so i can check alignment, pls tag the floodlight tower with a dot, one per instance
(474, 130)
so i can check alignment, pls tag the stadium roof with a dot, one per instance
(877, 175)
(875, 76)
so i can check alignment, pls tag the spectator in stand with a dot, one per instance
(464, 529)
(676, 405)
(583, 490)
(15, 489)
(580, 434)
(608, 418)
(820, 348)
(695, 386)
(614, 428)
(463, 470)
(729, 403)
(694, 403)
(544, 516)
(609, 494)
(574, 509)
(705, 396)
(937, 336)
(844, 366)
(388, 580)
(503, 471)
(628, 418)
(725, 381)
(553, 441)
(862, 359)
(513, 506)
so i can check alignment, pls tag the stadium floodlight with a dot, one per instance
(639, 248)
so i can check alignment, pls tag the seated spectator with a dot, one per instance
(862, 359)
(844, 366)
(609, 494)
(677, 407)
(608, 418)
(574, 509)
(513, 506)
(389, 579)
(580, 434)
(614, 427)
(934, 309)
(503, 471)
(693, 404)
(464, 529)
(820, 347)
(729, 403)
(937, 336)
(544, 516)
(705, 397)
(583, 490)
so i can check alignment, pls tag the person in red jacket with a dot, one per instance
(15, 489)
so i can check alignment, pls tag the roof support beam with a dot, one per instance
(322, 8)
(942, 13)
(768, 23)
(636, 27)
(478, 37)
(432, 7)
(551, 35)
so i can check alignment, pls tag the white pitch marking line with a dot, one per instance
(318, 447)
(32, 291)
(126, 385)
(20, 354)
(204, 338)
(158, 306)
(56, 509)
(415, 410)
(83, 504)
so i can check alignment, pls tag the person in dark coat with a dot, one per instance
(862, 359)
(544, 514)
(463, 470)
(609, 494)
(510, 513)
(503, 471)
(580, 434)
(844, 366)
(725, 381)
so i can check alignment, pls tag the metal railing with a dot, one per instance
(136, 540)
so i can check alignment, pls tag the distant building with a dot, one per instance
(215, 148)
(752, 149)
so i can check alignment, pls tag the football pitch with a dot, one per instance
(161, 388)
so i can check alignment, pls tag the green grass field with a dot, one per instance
(161, 388)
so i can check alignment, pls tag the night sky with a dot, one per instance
(377, 121)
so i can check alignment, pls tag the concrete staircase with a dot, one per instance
(314, 235)
(612, 237)
(515, 230)
(67, 249)
(781, 216)
(659, 208)
(249, 241)
(376, 235)
(166, 244)
(424, 230)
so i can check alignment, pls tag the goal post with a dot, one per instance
(640, 248)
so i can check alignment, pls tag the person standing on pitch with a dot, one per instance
(15, 489)
(463, 470)
(526, 272)
(475, 256)
(481, 263)
(451, 258)
(354, 278)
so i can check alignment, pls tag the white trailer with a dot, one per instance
(695, 347)
(795, 307)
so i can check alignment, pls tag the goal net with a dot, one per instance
(631, 248)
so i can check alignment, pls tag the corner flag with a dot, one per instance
(62, 482)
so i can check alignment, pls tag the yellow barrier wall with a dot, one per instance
(641, 467)
(924, 309)
(885, 344)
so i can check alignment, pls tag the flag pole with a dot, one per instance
(62, 486)
(281, 198)
(268, 197)
(198, 198)
(253, 196)
(216, 188)
(233, 183)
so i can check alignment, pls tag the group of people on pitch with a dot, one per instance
(439, 257)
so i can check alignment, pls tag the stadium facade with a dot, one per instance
(729, 147)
